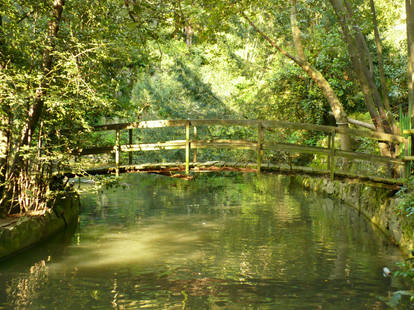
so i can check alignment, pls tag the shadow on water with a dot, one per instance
(219, 242)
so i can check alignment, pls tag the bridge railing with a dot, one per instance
(260, 145)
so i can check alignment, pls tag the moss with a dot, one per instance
(377, 204)
(30, 230)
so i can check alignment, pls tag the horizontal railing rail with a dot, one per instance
(260, 145)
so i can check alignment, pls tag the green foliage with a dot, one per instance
(115, 61)
(406, 270)
(403, 298)
(406, 204)
(54, 83)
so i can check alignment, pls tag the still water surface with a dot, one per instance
(217, 242)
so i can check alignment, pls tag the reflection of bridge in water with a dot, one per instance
(257, 143)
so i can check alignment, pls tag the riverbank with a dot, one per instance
(377, 204)
(17, 234)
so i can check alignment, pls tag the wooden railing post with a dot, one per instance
(130, 143)
(407, 151)
(187, 147)
(117, 150)
(259, 146)
(330, 152)
(194, 149)
(329, 148)
(332, 155)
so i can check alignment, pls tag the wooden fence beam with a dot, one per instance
(259, 146)
(117, 150)
(195, 149)
(187, 147)
(329, 147)
(332, 155)
(130, 143)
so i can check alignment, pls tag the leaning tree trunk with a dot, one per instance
(323, 84)
(376, 103)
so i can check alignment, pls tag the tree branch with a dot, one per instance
(359, 123)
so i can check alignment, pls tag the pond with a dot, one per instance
(220, 241)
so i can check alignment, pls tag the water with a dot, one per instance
(217, 242)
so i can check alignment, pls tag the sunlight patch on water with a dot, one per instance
(156, 243)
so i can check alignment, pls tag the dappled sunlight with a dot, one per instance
(158, 243)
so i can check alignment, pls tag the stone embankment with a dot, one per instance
(17, 234)
(379, 205)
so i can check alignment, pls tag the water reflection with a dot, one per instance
(214, 243)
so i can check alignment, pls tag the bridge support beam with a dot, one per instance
(331, 158)
(187, 147)
(259, 146)
(130, 143)
(194, 149)
(117, 150)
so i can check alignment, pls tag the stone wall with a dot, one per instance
(29, 230)
(377, 204)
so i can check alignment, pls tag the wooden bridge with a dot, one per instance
(192, 142)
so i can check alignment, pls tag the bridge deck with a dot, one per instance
(255, 141)
(177, 167)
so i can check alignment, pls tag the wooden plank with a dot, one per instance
(130, 143)
(254, 123)
(329, 147)
(117, 149)
(259, 146)
(408, 153)
(368, 157)
(225, 122)
(168, 145)
(142, 124)
(195, 150)
(295, 148)
(187, 147)
(408, 132)
(365, 179)
(371, 134)
(296, 126)
(329, 129)
(332, 155)
(222, 143)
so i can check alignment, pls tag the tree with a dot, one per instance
(377, 104)
(62, 64)
(351, 21)
(300, 59)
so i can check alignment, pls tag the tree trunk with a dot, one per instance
(380, 57)
(377, 107)
(188, 34)
(36, 109)
(333, 100)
